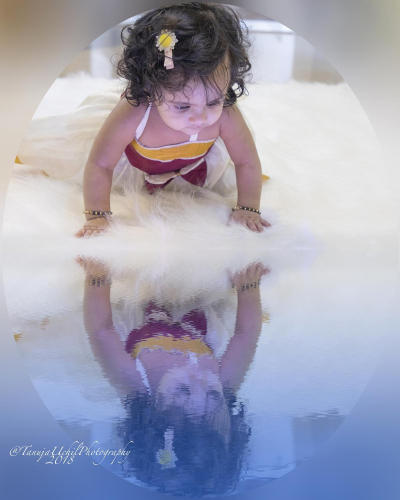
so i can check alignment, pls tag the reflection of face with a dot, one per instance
(194, 108)
(191, 387)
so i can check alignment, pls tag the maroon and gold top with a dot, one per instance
(155, 161)
(161, 332)
(170, 159)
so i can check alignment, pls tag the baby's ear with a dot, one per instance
(230, 94)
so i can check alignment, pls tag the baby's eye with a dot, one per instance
(183, 389)
(181, 107)
(215, 103)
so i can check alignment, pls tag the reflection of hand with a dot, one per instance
(93, 267)
(250, 275)
(252, 220)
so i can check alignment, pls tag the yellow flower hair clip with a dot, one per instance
(166, 42)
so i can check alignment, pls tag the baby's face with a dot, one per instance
(192, 109)
(194, 388)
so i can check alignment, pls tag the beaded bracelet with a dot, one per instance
(96, 212)
(92, 280)
(246, 208)
(247, 286)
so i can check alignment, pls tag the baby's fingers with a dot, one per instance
(80, 233)
(232, 220)
(265, 223)
(88, 232)
(93, 231)
(251, 225)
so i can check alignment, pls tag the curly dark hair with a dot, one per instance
(208, 463)
(210, 37)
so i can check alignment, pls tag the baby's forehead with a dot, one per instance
(198, 91)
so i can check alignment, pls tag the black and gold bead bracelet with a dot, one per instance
(246, 208)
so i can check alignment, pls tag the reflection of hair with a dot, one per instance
(206, 34)
(209, 458)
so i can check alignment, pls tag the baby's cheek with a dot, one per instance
(214, 116)
(220, 111)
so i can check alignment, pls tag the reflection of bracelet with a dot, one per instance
(248, 286)
(98, 281)
(246, 208)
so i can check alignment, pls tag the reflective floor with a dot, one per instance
(217, 378)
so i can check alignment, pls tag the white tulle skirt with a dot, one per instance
(60, 146)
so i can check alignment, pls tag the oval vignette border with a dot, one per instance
(359, 39)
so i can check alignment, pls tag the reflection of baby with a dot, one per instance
(161, 344)
(175, 389)
(176, 341)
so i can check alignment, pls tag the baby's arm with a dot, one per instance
(242, 150)
(116, 133)
(242, 347)
(117, 365)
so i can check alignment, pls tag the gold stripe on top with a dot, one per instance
(188, 150)
(183, 344)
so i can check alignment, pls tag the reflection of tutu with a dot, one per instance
(60, 146)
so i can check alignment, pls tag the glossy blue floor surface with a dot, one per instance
(215, 379)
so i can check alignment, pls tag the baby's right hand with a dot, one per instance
(93, 227)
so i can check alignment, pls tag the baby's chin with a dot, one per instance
(185, 130)
(192, 131)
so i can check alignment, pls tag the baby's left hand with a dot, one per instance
(252, 220)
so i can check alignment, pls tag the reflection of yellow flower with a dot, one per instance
(166, 40)
(166, 457)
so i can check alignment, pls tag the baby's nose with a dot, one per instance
(200, 117)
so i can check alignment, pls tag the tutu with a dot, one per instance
(60, 145)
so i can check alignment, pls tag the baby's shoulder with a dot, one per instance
(129, 114)
(231, 119)
(130, 111)
(121, 124)
(230, 113)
